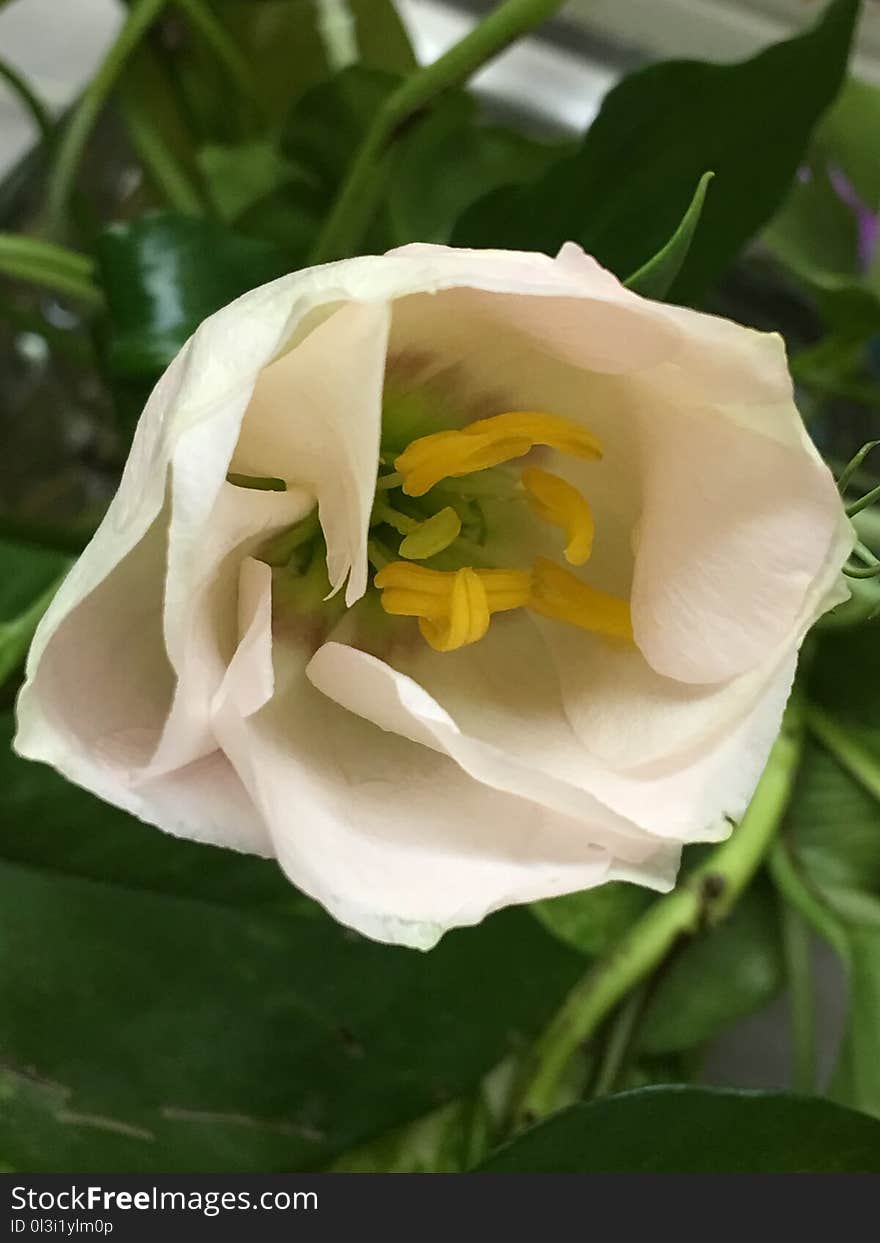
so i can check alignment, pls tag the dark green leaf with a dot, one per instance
(723, 975)
(696, 1130)
(326, 126)
(593, 920)
(163, 274)
(623, 194)
(321, 137)
(450, 160)
(656, 277)
(212, 1018)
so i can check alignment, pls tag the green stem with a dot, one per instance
(43, 263)
(34, 105)
(870, 567)
(356, 204)
(855, 463)
(141, 15)
(705, 896)
(799, 972)
(847, 750)
(863, 502)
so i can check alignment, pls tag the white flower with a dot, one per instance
(509, 737)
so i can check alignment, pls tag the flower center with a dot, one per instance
(453, 603)
(439, 503)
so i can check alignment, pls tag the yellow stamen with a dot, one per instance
(556, 501)
(453, 607)
(559, 594)
(489, 442)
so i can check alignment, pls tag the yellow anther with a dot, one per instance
(559, 594)
(453, 607)
(556, 501)
(486, 443)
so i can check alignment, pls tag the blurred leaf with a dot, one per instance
(29, 577)
(625, 191)
(381, 36)
(214, 1019)
(449, 160)
(239, 176)
(848, 135)
(816, 239)
(162, 274)
(722, 975)
(819, 234)
(696, 1130)
(814, 229)
(593, 920)
(26, 572)
(833, 841)
(326, 126)
(656, 277)
(321, 136)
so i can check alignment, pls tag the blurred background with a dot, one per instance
(557, 79)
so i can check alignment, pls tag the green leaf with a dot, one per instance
(625, 191)
(848, 135)
(26, 572)
(724, 974)
(815, 235)
(832, 841)
(214, 1020)
(815, 239)
(593, 920)
(686, 1130)
(382, 40)
(656, 277)
(241, 175)
(326, 126)
(451, 159)
(321, 136)
(162, 274)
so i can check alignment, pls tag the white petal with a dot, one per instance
(677, 764)
(393, 838)
(545, 774)
(315, 418)
(736, 528)
(200, 611)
